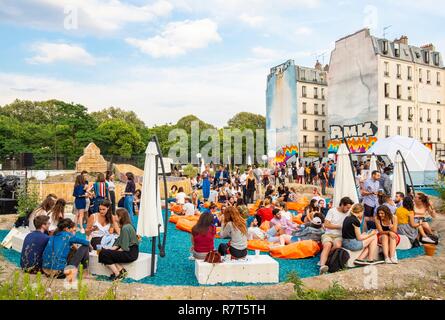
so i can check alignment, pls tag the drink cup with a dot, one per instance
(98, 248)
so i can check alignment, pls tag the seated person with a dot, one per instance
(265, 212)
(354, 240)
(286, 225)
(62, 245)
(282, 206)
(101, 224)
(233, 227)
(125, 249)
(56, 214)
(203, 237)
(242, 208)
(254, 231)
(407, 225)
(309, 211)
(188, 209)
(424, 212)
(388, 238)
(34, 245)
(385, 200)
(214, 212)
(313, 231)
(180, 196)
(323, 208)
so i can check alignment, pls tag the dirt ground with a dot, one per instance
(422, 277)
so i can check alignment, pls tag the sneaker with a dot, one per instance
(428, 240)
(123, 274)
(394, 260)
(374, 262)
(82, 230)
(388, 260)
(324, 269)
(361, 262)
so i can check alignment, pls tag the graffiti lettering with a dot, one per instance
(367, 129)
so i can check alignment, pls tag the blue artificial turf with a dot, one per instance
(176, 269)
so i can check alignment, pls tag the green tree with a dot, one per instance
(118, 113)
(247, 120)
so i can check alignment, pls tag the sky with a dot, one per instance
(165, 59)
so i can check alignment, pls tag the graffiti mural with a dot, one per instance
(360, 137)
(285, 153)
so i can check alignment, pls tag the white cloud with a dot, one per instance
(93, 16)
(303, 31)
(253, 21)
(47, 52)
(178, 38)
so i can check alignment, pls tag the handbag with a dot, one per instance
(213, 257)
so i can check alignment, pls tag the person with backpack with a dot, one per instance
(355, 240)
(332, 238)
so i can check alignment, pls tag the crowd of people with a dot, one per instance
(376, 221)
(52, 246)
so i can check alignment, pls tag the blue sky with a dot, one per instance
(165, 59)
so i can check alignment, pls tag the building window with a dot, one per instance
(303, 74)
(399, 92)
(399, 131)
(322, 93)
(410, 114)
(439, 135)
(316, 142)
(399, 71)
(438, 116)
(399, 112)
(410, 73)
(410, 132)
(304, 124)
(410, 93)
(386, 73)
(387, 90)
(303, 90)
(304, 107)
(420, 75)
(322, 109)
(397, 49)
(322, 125)
(316, 108)
(421, 115)
(427, 57)
(429, 134)
(438, 79)
(315, 93)
(304, 139)
(421, 134)
(386, 131)
(387, 111)
(428, 117)
(385, 47)
(316, 125)
(436, 59)
(428, 77)
(323, 141)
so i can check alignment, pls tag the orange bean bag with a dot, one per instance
(262, 245)
(265, 226)
(298, 250)
(174, 218)
(176, 208)
(192, 218)
(185, 225)
(297, 219)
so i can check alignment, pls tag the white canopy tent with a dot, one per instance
(418, 158)
(344, 177)
(398, 180)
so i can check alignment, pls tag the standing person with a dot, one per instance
(355, 240)
(34, 245)
(88, 197)
(233, 227)
(388, 238)
(130, 189)
(203, 237)
(80, 202)
(323, 179)
(60, 247)
(313, 174)
(112, 190)
(370, 200)
(205, 176)
(100, 188)
(250, 187)
(56, 214)
(331, 179)
(258, 173)
(332, 238)
(125, 249)
(243, 183)
(300, 173)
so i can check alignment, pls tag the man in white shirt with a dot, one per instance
(333, 224)
(300, 173)
(213, 195)
(188, 208)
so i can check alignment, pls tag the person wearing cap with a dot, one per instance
(188, 209)
(313, 231)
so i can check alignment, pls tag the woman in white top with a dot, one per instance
(56, 214)
(43, 210)
(109, 177)
(180, 196)
(101, 224)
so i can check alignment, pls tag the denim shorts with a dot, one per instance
(352, 244)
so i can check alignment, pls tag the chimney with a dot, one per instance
(402, 40)
(429, 47)
(318, 66)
